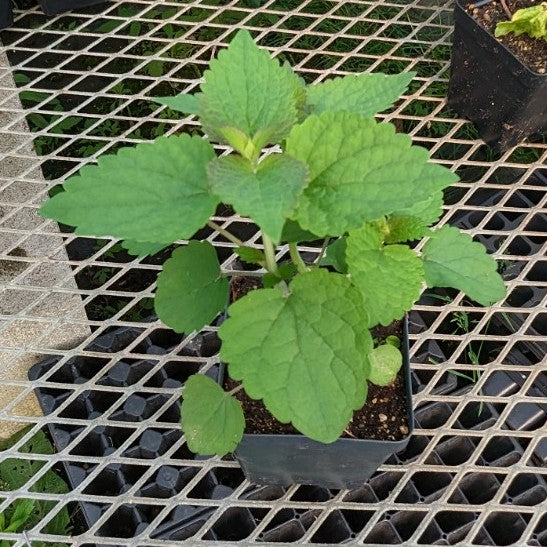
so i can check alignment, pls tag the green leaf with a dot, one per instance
(393, 340)
(246, 89)
(153, 192)
(364, 94)
(247, 147)
(16, 472)
(212, 420)
(270, 280)
(405, 228)
(428, 210)
(250, 255)
(304, 354)
(385, 363)
(23, 510)
(360, 170)
(285, 272)
(531, 21)
(294, 233)
(299, 91)
(268, 194)
(33, 96)
(143, 248)
(185, 103)
(191, 291)
(389, 277)
(21, 79)
(336, 255)
(453, 259)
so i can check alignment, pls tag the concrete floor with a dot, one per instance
(45, 269)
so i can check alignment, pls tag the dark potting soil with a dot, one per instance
(531, 51)
(383, 417)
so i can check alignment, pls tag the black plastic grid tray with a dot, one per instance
(236, 523)
(79, 61)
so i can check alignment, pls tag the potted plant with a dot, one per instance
(498, 69)
(308, 163)
(53, 7)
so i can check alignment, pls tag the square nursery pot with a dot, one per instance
(6, 14)
(491, 87)
(345, 463)
(53, 7)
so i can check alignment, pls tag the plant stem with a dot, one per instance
(297, 259)
(246, 273)
(235, 389)
(225, 233)
(285, 288)
(322, 251)
(506, 9)
(349, 433)
(269, 253)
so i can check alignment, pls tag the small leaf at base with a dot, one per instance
(405, 228)
(294, 233)
(212, 420)
(385, 363)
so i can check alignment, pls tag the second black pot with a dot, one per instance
(53, 7)
(345, 463)
(6, 15)
(491, 87)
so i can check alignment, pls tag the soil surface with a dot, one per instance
(531, 51)
(383, 416)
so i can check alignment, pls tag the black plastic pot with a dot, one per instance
(493, 88)
(6, 15)
(345, 463)
(53, 7)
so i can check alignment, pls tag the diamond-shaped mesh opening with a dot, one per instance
(110, 375)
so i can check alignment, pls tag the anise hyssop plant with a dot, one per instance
(302, 343)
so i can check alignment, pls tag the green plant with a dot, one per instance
(25, 514)
(19, 517)
(531, 21)
(302, 343)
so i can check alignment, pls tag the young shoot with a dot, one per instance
(531, 21)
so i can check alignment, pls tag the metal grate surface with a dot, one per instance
(475, 470)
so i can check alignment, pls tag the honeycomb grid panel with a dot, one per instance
(474, 472)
